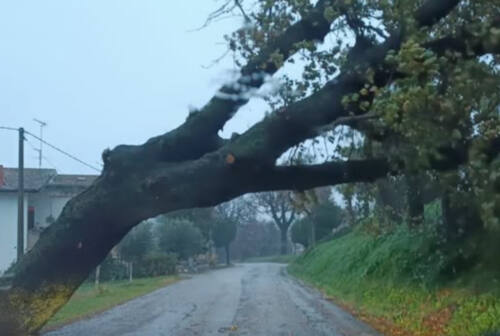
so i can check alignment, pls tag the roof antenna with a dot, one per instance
(42, 125)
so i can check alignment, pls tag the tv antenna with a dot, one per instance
(42, 125)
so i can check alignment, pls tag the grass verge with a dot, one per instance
(88, 300)
(401, 284)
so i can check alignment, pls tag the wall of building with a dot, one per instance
(8, 228)
(46, 205)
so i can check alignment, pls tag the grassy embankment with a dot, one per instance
(402, 283)
(89, 300)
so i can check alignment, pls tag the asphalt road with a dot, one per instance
(248, 299)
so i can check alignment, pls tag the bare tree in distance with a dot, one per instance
(228, 217)
(278, 205)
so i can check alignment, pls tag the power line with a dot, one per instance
(53, 147)
(9, 128)
(43, 156)
(63, 152)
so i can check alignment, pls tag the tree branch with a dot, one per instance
(468, 44)
(433, 11)
(288, 127)
(303, 177)
(198, 135)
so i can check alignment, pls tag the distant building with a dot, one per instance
(46, 193)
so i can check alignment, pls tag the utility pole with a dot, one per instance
(20, 199)
(42, 125)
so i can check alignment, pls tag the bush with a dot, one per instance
(325, 217)
(111, 269)
(180, 237)
(156, 265)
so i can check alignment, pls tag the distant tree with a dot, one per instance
(227, 217)
(322, 218)
(224, 232)
(278, 205)
(256, 239)
(136, 245)
(202, 218)
(301, 231)
(306, 202)
(326, 217)
(181, 237)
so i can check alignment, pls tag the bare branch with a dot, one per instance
(242, 10)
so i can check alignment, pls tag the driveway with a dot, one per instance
(248, 299)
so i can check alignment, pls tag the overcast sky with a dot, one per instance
(103, 73)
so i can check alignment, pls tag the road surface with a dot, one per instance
(248, 299)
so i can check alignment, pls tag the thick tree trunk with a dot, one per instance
(351, 214)
(283, 241)
(389, 199)
(460, 218)
(415, 201)
(67, 251)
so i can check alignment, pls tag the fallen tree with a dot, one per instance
(192, 166)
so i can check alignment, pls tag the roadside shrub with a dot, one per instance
(181, 237)
(111, 269)
(325, 217)
(156, 265)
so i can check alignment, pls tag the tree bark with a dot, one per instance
(130, 271)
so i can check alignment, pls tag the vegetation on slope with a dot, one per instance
(408, 282)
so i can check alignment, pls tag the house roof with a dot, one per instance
(36, 179)
(63, 180)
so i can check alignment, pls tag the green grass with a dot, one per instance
(402, 284)
(284, 259)
(89, 300)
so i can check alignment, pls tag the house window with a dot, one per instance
(31, 218)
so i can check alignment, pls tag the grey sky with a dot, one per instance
(103, 73)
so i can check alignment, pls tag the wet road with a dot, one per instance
(248, 299)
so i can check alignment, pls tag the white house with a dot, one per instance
(46, 193)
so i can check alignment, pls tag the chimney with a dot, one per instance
(2, 176)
